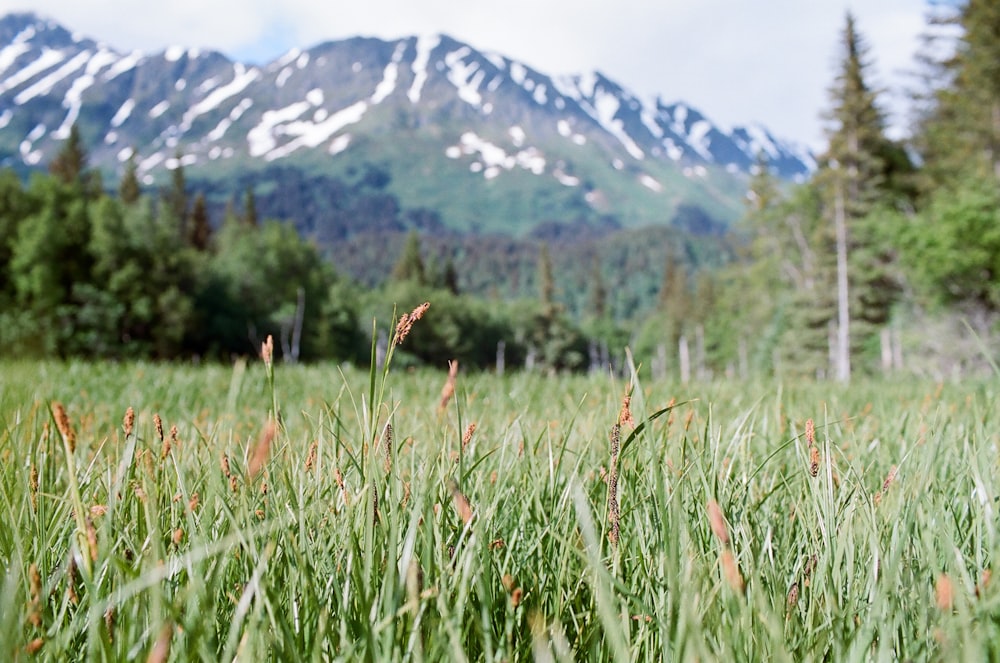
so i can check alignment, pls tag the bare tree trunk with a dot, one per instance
(501, 357)
(300, 312)
(843, 315)
(685, 359)
(885, 338)
(699, 352)
(897, 348)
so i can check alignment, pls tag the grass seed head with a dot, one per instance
(161, 649)
(33, 646)
(944, 593)
(625, 416)
(810, 432)
(462, 505)
(262, 448)
(718, 522)
(387, 448)
(448, 390)
(793, 596)
(64, 426)
(128, 423)
(467, 436)
(311, 456)
(267, 351)
(33, 486)
(814, 461)
(406, 321)
(731, 571)
(158, 424)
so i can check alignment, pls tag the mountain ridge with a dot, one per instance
(485, 142)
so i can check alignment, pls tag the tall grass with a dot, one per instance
(367, 527)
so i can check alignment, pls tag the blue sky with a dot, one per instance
(737, 61)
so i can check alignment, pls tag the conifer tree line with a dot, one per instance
(887, 259)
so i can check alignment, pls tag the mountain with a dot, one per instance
(365, 135)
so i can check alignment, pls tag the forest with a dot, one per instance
(886, 260)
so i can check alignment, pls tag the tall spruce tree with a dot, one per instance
(129, 190)
(852, 179)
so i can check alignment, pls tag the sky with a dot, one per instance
(736, 61)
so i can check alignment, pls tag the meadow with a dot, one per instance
(264, 511)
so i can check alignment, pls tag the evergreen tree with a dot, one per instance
(961, 127)
(176, 196)
(598, 291)
(546, 282)
(250, 208)
(201, 228)
(70, 164)
(410, 266)
(852, 179)
(129, 190)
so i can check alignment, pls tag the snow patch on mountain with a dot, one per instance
(425, 45)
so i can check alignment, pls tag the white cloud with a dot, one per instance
(736, 61)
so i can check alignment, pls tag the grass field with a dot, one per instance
(327, 536)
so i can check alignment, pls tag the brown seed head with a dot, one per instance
(178, 536)
(625, 416)
(944, 593)
(462, 505)
(161, 650)
(33, 646)
(515, 597)
(193, 503)
(731, 571)
(225, 465)
(387, 440)
(718, 522)
(267, 351)
(129, 422)
(814, 460)
(260, 451)
(448, 390)
(467, 437)
(311, 456)
(793, 596)
(406, 321)
(64, 426)
(810, 432)
(158, 424)
(33, 486)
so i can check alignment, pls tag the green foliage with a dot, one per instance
(952, 248)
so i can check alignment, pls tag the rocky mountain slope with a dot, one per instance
(372, 135)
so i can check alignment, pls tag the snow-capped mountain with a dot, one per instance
(432, 112)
